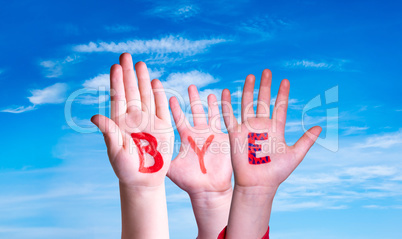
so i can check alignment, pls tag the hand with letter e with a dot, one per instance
(261, 158)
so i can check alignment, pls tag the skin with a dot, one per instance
(210, 193)
(138, 107)
(256, 185)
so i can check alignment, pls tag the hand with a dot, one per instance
(260, 157)
(283, 159)
(137, 109)
(210, 170)
(203, 167)
(139, 139)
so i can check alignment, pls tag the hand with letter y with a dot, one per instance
(203, 168)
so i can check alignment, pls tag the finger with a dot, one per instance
(161, 103)
(111, 133)
(117, 95)
(130, 82)
(281, 106)
(144, 84)
(227, 111)
(196, 106)
(264, 94)
(214, 119)
(303, 145)
(178, 116)
(247, 109)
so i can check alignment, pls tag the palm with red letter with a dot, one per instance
(259, 182)
(186, 169)
(139, 139)
(284, 159)
(140, 109)
(203, 166)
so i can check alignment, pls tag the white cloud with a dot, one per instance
(307, 64)
(176, 12)
(166, 45)
(354, 129)
(91, 100)
(386, 140)
(54, 68)
(181, 80)
(177, 84)
(335, 64)
(370, 172)
(264, 26)
(101, 81)
(19, 109)
(53, 94)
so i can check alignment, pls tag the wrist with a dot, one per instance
(140, 189)
(210, 200)
(255, 195)
(211, 211)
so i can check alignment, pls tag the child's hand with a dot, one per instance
(142, 110)
(139, 139)
(260, 157)
(203, 168)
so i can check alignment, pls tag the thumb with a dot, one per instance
(111, 132)
(303, 145)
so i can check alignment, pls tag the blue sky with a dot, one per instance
(55, 181)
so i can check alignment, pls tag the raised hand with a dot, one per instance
(139, 122)
(260, 156)
(139, 139)
(203, 166)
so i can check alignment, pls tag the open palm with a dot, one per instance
(139, 115)
(210, 170)
(260, 155)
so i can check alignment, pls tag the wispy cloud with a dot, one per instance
(53, 94)
(177, 83)
(54, 68)
(264, 26)
(354, 130)
(120, 28)
(175, 11)
(98, 82)
(19, 109)
(386, 140)
(166, 45)
(338, 188)
(336, 64)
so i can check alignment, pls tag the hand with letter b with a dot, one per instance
(139, 139)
